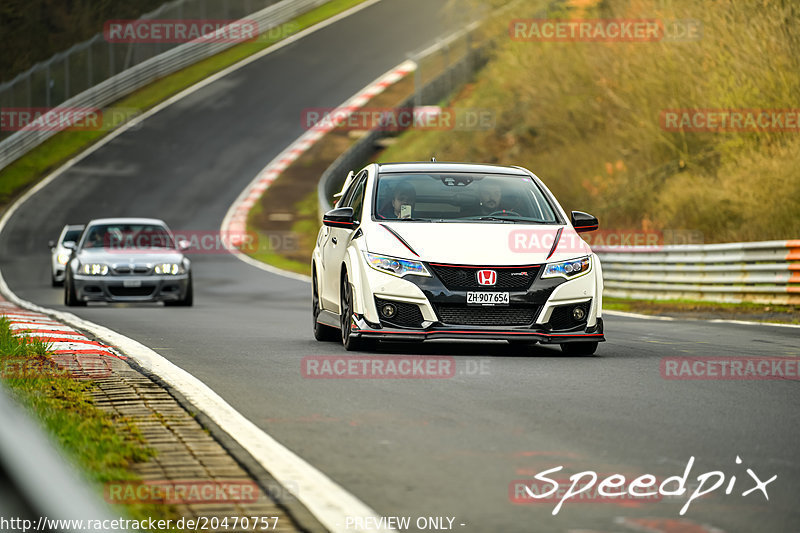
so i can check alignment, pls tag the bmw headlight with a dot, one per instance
(567, 269)
(170, 269)
(396, 267)
(94, 269)
(62, 259)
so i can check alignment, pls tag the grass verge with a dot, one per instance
(101, 445)
(779, 314)
(586, 117)
(33, 166)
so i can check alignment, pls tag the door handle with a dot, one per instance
(334, 240)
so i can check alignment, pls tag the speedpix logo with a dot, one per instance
(545, 488)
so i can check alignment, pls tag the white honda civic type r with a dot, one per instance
(440, 250)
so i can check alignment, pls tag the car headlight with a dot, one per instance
(171, 269)
(396, 267)
(62, 259)
(94, 269)
(567, 269)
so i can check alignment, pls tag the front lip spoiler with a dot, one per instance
(362, 328)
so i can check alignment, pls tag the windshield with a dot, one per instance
(462, 197)
(72, 235)
(127, 236)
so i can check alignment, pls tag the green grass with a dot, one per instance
(784, 314)
(305, 228)
(61, 147)
(101, 445)
(585, 118)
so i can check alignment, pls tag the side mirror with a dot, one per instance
(583, 222)
(51, 244)
(69, 245)
(184, 245)
(341, 217)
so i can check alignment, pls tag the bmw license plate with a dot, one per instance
(487, 298)
(132, 283)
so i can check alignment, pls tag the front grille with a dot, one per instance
(407, 315)
(561, 317)
(130, 291)
(461, 315)
(131, 269)
(463, 278)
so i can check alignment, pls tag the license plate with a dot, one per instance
(487, 298)
(132, 283)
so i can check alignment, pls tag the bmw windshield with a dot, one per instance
(127, 236)
(461, 197)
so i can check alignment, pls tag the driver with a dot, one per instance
(403, 199)
(490, 195)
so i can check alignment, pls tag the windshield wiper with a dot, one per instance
(504, 219)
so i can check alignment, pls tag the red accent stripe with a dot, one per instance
(494, 267)
(470, 332)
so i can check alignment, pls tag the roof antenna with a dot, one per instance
(433, 159)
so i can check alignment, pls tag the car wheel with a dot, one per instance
(70, 298)
(188, 299)
(579, 348)
(350, 343)
(321, 331)
(54, 282)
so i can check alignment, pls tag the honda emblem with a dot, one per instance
(487, 277)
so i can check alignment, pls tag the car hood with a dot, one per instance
(128, 256)
(476, 243)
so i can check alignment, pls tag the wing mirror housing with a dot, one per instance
(583, 222)
(341, 217)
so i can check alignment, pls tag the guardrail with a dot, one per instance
(37, 483)
(760, 272)
(137, 76)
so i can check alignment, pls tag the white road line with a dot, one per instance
(326, 500)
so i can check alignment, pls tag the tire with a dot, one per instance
(70, 298)
(322, 332)
(188, 299)
(579, 348)
(54, 282)
(349, 342)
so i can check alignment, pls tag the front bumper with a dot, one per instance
(131, 288)
(429, 308)
(362, 328)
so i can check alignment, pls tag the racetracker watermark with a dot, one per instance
(389, 367)
(605, 30)
(730, 120)
(64, 118)
(730, 368)
(397, 119)
(526, 491)
(200, 242)
(170, 492)
(180, 31)
(57, 366)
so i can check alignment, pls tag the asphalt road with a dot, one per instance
(442, 447)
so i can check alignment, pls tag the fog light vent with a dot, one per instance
(579, 313)
(388, 310)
